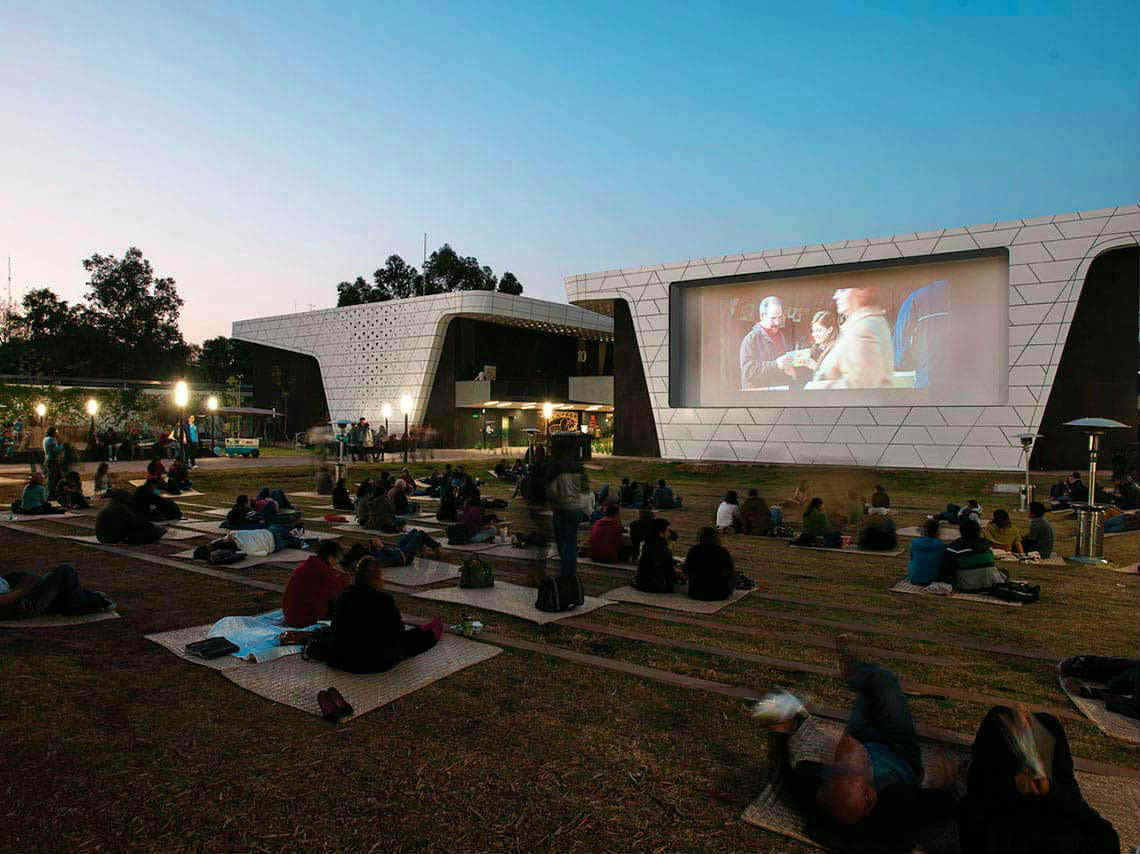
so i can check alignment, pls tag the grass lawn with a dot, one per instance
(111, 743)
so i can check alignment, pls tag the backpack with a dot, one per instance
(458, 535)
(476, 572)
(560, 593)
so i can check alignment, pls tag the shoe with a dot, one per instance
(328, 707)
(343, 709)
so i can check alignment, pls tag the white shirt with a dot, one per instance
(726, 514)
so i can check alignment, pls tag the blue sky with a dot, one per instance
(261, 152)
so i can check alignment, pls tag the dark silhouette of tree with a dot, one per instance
(222, 358)
(396, 280)
(510, 285)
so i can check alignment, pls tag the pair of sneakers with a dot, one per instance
(333, 705)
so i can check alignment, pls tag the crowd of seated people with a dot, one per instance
(118, 522)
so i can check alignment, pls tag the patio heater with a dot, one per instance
(1090, 517)
(1027, 440)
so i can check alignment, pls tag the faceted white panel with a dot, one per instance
(1049, 258)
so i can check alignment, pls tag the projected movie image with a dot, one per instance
(932, 332)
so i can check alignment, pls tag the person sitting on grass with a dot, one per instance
(926, 554)
(341, 500)
(755, 514)
(1040, 536)
(277, 496)
(178, 480)
(104, 483)
(374, 511)
(480, 528)
(242, 516)
(880, 501)
(116, 522)
(314, 585)
(608, 542)
(969, 562)
(1126, 492)
(628, 493)
(147, 501)
(1021, 792)
(33, 500)
(1002, 533)
(24, 595)
(71, 495)
(655, 570)
(156, 471)
(368, 634)
(640, 530)
(709, 568)
(817, 530)
(448, 510)
(663, 497)
(868, 797)
(406, 477)
(878, 534)
(364, 489)
(728, 518)
(398, 495)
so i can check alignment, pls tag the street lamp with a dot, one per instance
(92, 409)
(41, 411)
(386, 411)
(406, 408)
(181, 398)
(547, 412)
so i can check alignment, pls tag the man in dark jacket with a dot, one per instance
(148, 503)
(655, 572)
(763, 359)
(709, 568)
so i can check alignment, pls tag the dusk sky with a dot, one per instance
(260, 153)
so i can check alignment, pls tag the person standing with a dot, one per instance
(564, 488)
(53, 462)
(191, 434)
(863, 356)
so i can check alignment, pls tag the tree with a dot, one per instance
(347, 293)
(397, 280)
(135, 315)
(510, 285)
(222, 358)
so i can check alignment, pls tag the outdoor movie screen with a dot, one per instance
(928, 332)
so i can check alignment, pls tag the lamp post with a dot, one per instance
(212, 407)
(41, 411)
(181, 398)
(386, 411)
(92, 409)
(547, 412)
(406, 408)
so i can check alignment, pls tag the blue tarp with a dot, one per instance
(256, 636)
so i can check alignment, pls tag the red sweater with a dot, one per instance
(605, 538)
(310, 589)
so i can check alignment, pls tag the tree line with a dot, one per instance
(444, 271)
(125, 327)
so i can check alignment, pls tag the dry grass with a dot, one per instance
(112, 744)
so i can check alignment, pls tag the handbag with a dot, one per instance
(1017, 591)
(560, 593)
(475, 573)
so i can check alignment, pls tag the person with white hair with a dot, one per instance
(763, 352)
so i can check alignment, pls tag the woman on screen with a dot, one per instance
(863, 354)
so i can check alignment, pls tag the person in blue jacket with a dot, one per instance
(926, 554)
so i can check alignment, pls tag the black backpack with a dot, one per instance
(458, 535)
(560, 593)
(1017, 591)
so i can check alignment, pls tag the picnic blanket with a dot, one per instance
(905, 586)
(256, 636)
(853, 549)
(673, 601)
(46, 621)
(421, 572)
(35, 517)
(293, 681)
(585, 561)
(528, 553)
(1112, 724)
(507, 598)
(168, 534)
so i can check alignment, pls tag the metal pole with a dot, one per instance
(405, 438)
(1094, 446)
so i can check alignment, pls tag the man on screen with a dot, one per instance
(763, 360)
(863, 355)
